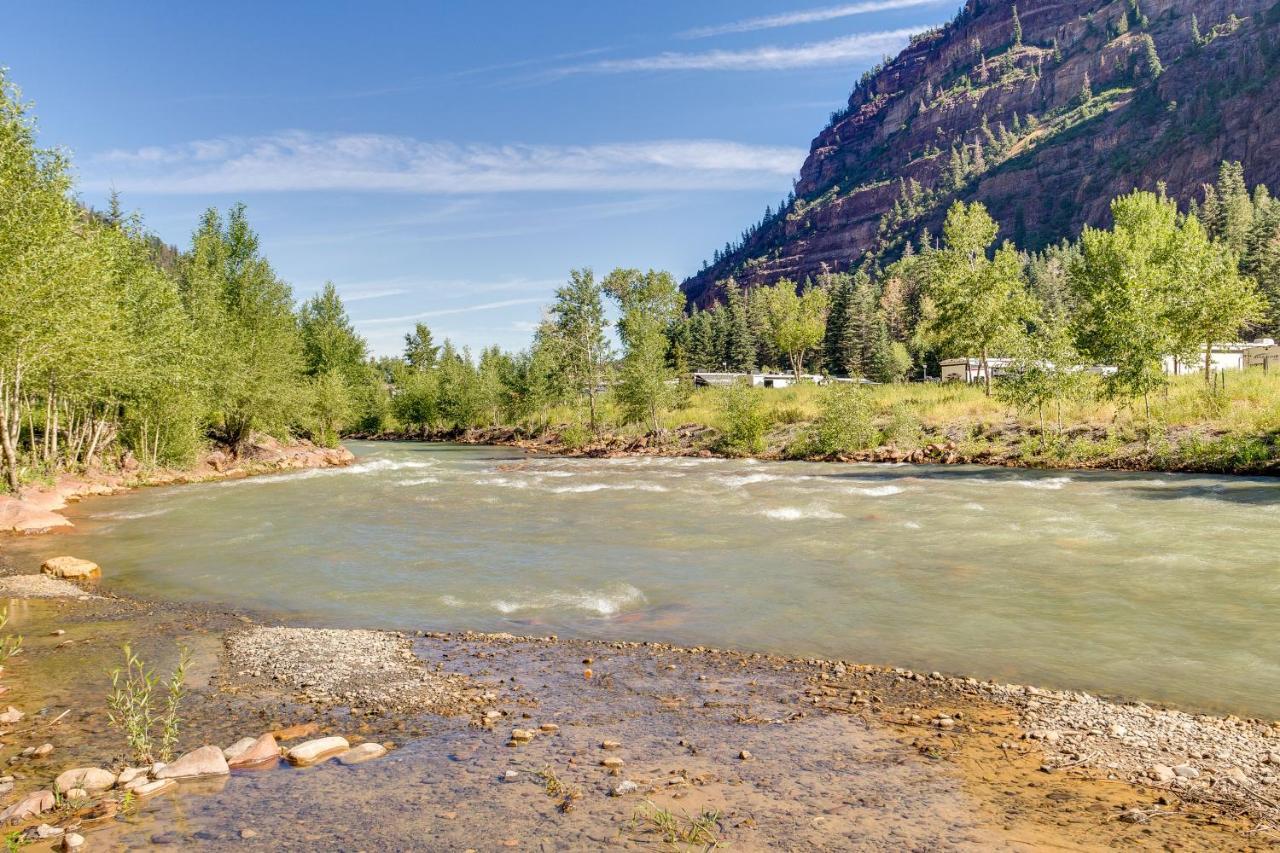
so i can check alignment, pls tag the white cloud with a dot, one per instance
(300, 161)
(846, 49)
(807, 16)
(445, 312)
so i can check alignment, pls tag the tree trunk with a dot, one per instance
(1208, 361)
(10, 423)
(986, 371)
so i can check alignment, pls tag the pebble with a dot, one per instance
(623, 788)
(511, 776)
(248, 833)
(72, 841)
(11, 715)
(44, 830)
(43, 749)
(1161, 773)
(520, 736)
(744, 755)
(613, 762)
(1186, 771)
(549, 728)
(609, 744)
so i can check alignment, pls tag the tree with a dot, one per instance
(739, 342)
(1017, 28)
(1086, 91)
(649, 303)
(1046, 370)
(578, 315)
(1151, 57)
(420, 350)
(796, 321)
(980, 302)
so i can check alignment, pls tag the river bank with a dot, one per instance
(1007, 445)
(505, 742)
(36, 510)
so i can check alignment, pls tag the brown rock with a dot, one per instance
(262, 751)
(37, 802)
(71, 568)
(87, 778)
(205, 761)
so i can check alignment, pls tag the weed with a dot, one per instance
(680, 829)
(9, 644)
(15, 840)
(556, 787)
(133, 710)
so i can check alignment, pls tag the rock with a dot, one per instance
(549, 728)
(1161, 773)
(363, 752)
(76, 794)
(128, 774)
(239, 747)
(1237, 775)
(248, 833)
(1186, 771)
(264, 750)
(745, 755)
(521, 735)
(609, 744)
(205, 761)
(88, 778)
(317, 750)
(44, 830)
(136, 782)
(42, 750)
(623, 788)
(71, 568)
(511, 776)
(613, 762)
(12, 715)
(37, 802)
(72, 841)
(159, 786)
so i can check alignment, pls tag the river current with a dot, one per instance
(1159, 587)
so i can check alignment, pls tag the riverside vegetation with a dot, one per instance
(117, 351)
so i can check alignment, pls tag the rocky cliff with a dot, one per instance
(1043, 111)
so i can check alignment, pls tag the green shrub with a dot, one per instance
(845, 424)
(575, 436)
(743, 420)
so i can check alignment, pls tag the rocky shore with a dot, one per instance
(295, 736)
(1007, 446)
(36, 509)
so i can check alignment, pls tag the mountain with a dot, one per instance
(1044, 111)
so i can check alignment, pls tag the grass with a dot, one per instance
(681, 831)
(558, 788)
(9, 644)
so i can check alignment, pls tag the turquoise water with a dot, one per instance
(1162, 587)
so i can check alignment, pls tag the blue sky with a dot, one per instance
(450, 162)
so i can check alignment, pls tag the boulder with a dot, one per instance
(363, 752)
(90, 779)
(317, 750)
(37, 802)
(71, 568)
(238, 748)
(261, 751)
(205, 761)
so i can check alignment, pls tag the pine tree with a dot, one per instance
(1196, 38)
(739, 344)
(833, 340)
(1151, 61)
(1086, 91)
(1017, 28)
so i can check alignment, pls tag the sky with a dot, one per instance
(449, 162)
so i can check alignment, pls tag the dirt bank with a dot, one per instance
(502, 742)
(36, 509)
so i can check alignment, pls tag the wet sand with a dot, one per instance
(773, 753)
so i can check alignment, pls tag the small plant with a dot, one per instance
(674, 829)
(556, 787)
(844, 424)
(575, 436)
(9, 644)
(150, 732)
(15, 840)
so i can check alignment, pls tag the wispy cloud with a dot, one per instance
(445, 312)
(300, 161)
(364, 295)
(807, 16)
(837, 51)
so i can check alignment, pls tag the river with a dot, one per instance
(1159, 587)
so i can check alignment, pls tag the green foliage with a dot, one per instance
(150, 731)
(844, 425)
(796, 322)
(743, 420)
(650, 303)
(578, 324)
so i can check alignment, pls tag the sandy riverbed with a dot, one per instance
(774, 752)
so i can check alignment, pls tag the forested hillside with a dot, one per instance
(1043, 111)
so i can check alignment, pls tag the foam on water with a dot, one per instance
(603, 602)
(875, 491)
(602, 487)
(795, 513)
(128, 516)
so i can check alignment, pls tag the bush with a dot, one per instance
(150, 731)
(575, 436)
(743, 421)
(845, 424)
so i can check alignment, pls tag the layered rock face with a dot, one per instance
(1094, 99)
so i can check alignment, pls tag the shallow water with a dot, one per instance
(1162, 587)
